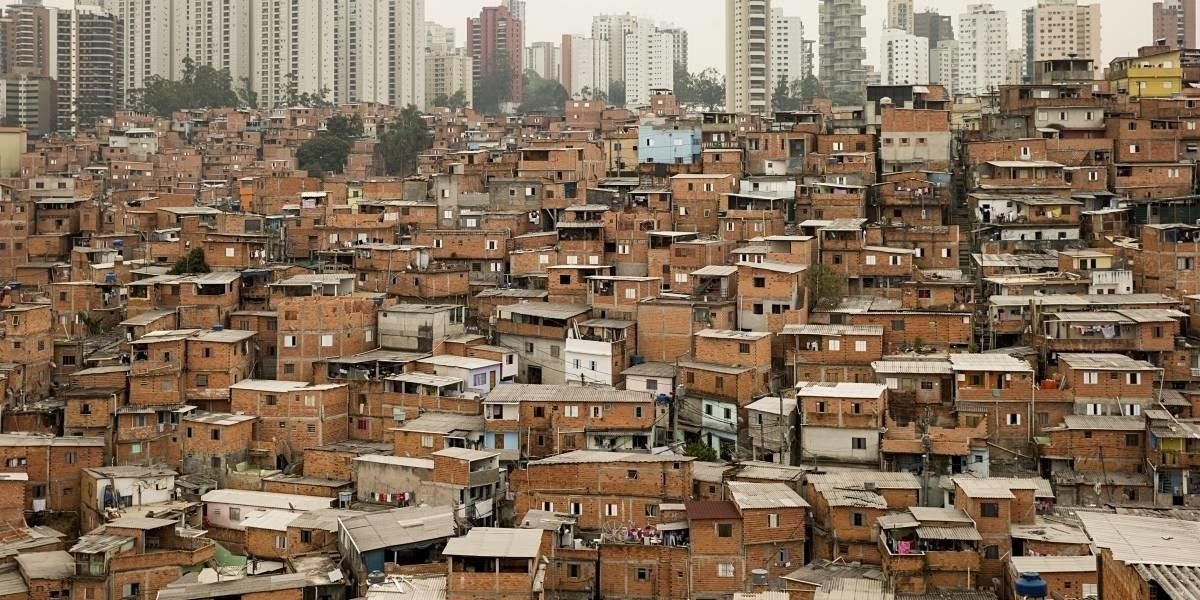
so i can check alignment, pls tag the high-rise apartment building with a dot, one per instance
(217, 33)
(787, 48)
(494, 42)
(748, 77)
(89, 81)
(934, 27)
(545, 59)
(842, 52)
(680, 41)
(900, 15)
(1175, 22)
(982, 49)
(156, 38)
(438, 36)
(1061, 29)
(649, 62)
(613, 29)
(447, 70)
(516, 8)
(943, 66)
(1014, 73)
(904, 58)
(585, 65)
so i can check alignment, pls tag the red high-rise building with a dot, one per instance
(494, 40)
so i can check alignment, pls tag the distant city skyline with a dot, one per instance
(1125, 24)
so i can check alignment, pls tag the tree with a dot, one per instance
(246, 94)
(403, 140)
(710, 89)
(494, 89)
(684, 84)
(616, 92)
(201, 87)
(190, 264)
(786, 95)
(453, 102)
(810, 88)
(700, 451)
(846, 98)
(347, 128)
(542, 95)
(323, 154)
(826, 287)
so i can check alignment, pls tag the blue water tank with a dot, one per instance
(1031, 585)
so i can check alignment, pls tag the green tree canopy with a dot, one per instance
(495, 88)
(700, 451)
(810, 88)
(454, 101)
(201, 87)
(616, 92)
(190, 264)
(705, 89)
(323, 154)
(825, 286)
(345, 127)
(543, 95)
(403, 140)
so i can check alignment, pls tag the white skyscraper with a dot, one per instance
(613, 29)
(943, 65)
(904, 58)
(649, 62)
(217, 33)
(448, 70)
(438, 36)
(982, 49)
(787, 47)
(748, 77)
(900, 15)
(545, 59)
(584, 65)
(155, 41)
(1060, 29)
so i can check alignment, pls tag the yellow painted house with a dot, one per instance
(1157, 75)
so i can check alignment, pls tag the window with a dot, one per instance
(215, 435)
(305, 536)
(858, 519)
(1133, 440)
(611, 510)
(597, 412)
(1132, 410)
(201, 380)
(835, 345)
(1014, 419)
(991, 552)
(271, 399)
(724, 530)
(860, 346)
(1094, 409)
(760, 282)
(870, 259)
(898, 325)
(573, 570)
(480, 379)
(426, 440)
(235, 514)
(858, 443)
(1134, 378)
(289, 341)
(637, 412)
(631, 474)
(651, 510)
(575, 508)
(1091, 377)
(281, 542)
(990, 510)
(724, 569)
(642, 574)
(548, 506)
(571, 410)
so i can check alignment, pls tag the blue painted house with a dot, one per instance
(669, 141)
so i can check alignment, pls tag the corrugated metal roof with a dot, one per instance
(496, 542)
(1145, 540)
(715, 271)
(56, 564)
(840, 389)
(272, 520)
(732, 334)
(444, 423)
(913, 367)
(266, 499)
(459, 362)
(600, 456)
(1176, 581)
(1053, 564)
(815, 329)
(651, 369)
(1104, 361)
(522, 392)
(548, 310)
(934, 532)
(989, 362)
(411, 588)
(940, 515)
(398, 461)
(399, 527)
(749, 495)
(1114, 423)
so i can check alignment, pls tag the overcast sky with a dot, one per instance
(1126, 23)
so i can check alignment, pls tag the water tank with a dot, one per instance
(758, 577)
(344, 499)
(1031, 586)
(218, 328)
(637, 360)
(376, 577)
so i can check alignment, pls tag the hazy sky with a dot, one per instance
(1126, 23)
